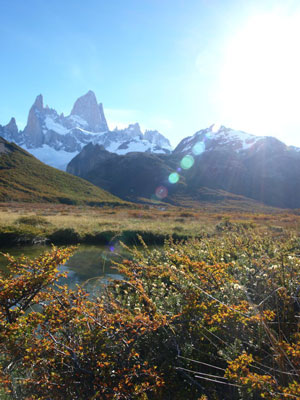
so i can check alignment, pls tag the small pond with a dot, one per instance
(90, 266)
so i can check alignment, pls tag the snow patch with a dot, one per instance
(209, 138)
(246, 140)
(78, 120)
(91, 133)
(295, 148)
(54, 126)
(140, 146)
(57, 159)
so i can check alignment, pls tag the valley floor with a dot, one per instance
(27, 223)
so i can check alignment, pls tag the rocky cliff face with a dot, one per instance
(156, 138)
(56, 139)
(10, 131)
(33, 133)
(87, 108)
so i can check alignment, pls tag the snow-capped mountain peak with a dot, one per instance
(157, 138)
(55, 139)
(217, 137)
(87, 108)
(134, 130)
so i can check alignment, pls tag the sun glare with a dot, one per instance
(260, 77)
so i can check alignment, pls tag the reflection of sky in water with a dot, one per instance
(90, 266)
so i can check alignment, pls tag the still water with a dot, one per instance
(90, 266)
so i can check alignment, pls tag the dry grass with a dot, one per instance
(92, 219)
(158, 220)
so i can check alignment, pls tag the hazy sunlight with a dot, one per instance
(260, 83)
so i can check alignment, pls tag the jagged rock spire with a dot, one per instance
(38, 102)
(134, 130)
(10, 131)
(33, 130)
(12, 127)
(88, 109)
(56, 135)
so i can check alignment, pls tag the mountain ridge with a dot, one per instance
(64, 136)
(134, 165)
(259, 168)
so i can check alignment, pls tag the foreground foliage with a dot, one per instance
(216, 318)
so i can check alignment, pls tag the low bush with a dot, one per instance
(216, 318)
(103, 237)
(33, 220)
(64, 236)
(19, 235)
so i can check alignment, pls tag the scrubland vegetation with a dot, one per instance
(215, 317)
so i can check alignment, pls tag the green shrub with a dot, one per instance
(21, 234)
(65, 236)
(104, 237)
(33, 220)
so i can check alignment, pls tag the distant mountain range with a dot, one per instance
(213, 164)
(55, 139)
(217, 158)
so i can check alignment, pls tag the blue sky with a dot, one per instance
(172, 65)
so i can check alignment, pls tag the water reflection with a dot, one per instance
(90, 266)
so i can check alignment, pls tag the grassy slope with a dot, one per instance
(24, 178)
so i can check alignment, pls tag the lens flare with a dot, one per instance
(216, 127)
(198, 148)
(174, 177)
(187, 162)
(161, 192)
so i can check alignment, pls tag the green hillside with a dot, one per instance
(24, 178)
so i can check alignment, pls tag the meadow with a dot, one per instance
(20, 223)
